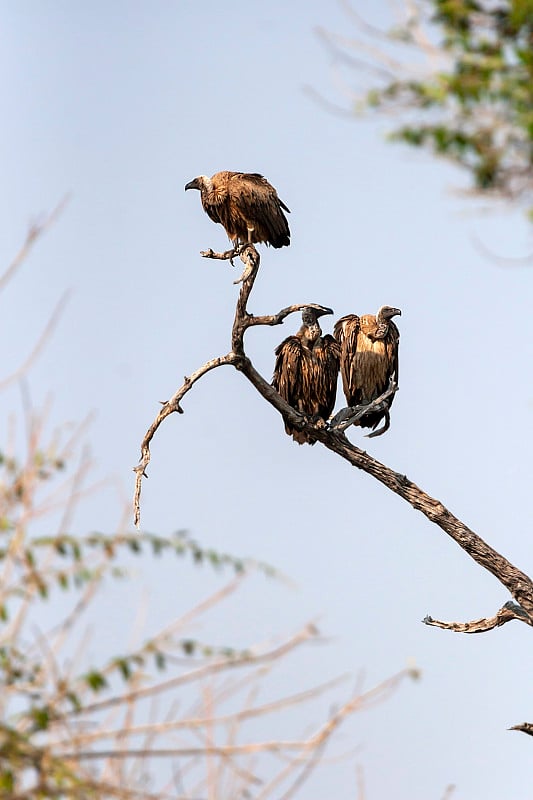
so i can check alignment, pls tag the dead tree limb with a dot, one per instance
(505, 614)
(36, 230)
(518, 583)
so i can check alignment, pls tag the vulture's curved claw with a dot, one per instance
(381, 430)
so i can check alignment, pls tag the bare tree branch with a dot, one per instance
(190, 723)
(302, 746)
(168, 407)
(39, 345)
(517, 582)
(505, 614)
(502, 261)
(307, 633)
(35, 231)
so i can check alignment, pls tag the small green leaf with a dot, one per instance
(188, 646)
(134, 545)
(74, 700)
(95, 680)
(124, 666)
(41, 718)
(7, 781)
(42, 588)
(61, 547)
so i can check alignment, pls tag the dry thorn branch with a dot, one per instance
(205, 670)
(303, 747)
(199, 722)
(168, 408)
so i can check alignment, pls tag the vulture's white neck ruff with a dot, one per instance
(207, 183)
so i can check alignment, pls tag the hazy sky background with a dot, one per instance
(121, 104)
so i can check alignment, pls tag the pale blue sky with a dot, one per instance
(122, 103)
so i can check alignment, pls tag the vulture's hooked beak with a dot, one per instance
(192, 184)
(320, 310)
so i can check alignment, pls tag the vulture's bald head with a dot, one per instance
(388, 312)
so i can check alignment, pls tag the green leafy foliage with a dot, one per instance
(478, 110)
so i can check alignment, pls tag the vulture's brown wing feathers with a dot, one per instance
(257, 204)
(261, 185)
(307, 379)
(246, 205)
(216, 213)
(328, 354)
(346, 331)
(393, 342)
(287, 372)
(369, 358)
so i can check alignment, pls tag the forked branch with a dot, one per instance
(332, 436)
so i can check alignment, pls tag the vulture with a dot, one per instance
(246, 205)
(306, 372)
(369, 359)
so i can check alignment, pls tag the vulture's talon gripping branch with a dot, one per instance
(378, 408)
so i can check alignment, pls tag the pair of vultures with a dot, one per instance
(363, 348)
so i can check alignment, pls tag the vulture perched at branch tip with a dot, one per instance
(369, 359)
(246, 205)
(306, 372)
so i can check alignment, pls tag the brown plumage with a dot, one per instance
(246, 205)
(369, 358)
(306, 371)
